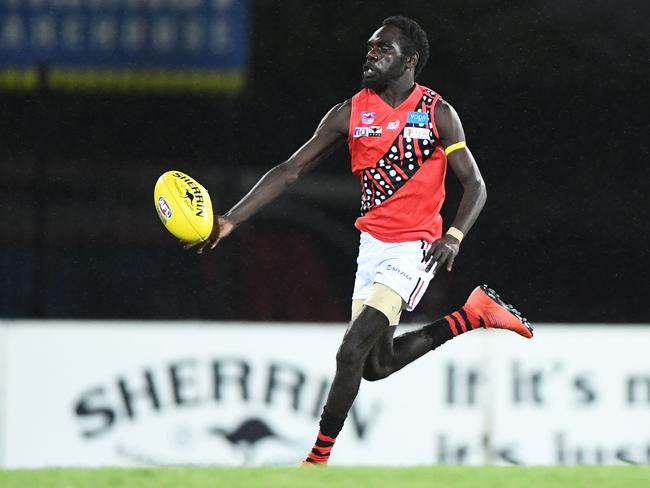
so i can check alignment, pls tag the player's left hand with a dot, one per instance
(221, 229)
(443, 252)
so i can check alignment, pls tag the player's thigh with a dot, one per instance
(363, 333)
(357, 306)
(382, 301)
(381, 298)
(388, 301)
(384, 344)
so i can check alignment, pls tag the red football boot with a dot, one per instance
(497, 314)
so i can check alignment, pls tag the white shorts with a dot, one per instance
(397, 265)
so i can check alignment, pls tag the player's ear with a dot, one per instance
(412, 60)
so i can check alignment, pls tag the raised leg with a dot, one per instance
(392, 354)
(483, 309)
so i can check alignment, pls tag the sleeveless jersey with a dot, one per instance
(397, 156)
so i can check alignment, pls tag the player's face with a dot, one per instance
(384, 60)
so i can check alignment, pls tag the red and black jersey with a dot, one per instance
(401, 165)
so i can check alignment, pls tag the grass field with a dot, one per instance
(333, 477)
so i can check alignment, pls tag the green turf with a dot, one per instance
(333, 477)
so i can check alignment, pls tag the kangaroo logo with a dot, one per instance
(247, 435)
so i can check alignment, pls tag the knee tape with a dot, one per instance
(384, 299)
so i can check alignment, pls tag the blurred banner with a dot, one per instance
(123, 44)
(88, 394)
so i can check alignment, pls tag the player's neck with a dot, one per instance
(396, 92)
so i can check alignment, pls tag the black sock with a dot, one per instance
(439, 332)
(329, 424)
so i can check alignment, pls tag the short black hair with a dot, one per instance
(414, 39)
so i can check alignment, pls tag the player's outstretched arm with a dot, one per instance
(330, 134)
(460, 159)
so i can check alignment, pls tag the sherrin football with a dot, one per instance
(184, 206)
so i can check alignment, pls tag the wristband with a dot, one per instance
(457, 233)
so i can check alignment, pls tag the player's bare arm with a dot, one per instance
(460, 159)
(329, 135)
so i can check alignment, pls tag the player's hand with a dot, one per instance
(221, 229)
(443, 252)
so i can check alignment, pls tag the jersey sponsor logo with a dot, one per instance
(393, 125)
(394, 269)
(360, 132)
(372, 131)
(417, 118)
(368, 117)
(417, 133)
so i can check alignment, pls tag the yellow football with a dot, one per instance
(184, 206)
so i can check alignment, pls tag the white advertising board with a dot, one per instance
(130, 393)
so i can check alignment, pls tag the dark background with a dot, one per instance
(554, 98)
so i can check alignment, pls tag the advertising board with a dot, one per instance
(125, 44)
(124, 394)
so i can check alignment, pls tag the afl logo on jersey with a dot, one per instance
(368, 117)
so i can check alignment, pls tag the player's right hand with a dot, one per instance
(221, 229)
